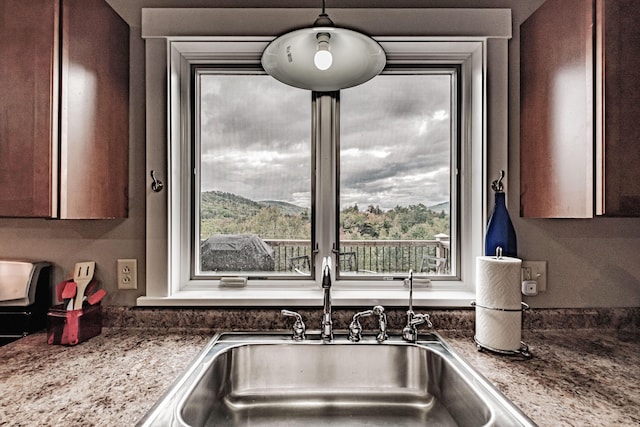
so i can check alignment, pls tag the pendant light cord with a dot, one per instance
(323, 19)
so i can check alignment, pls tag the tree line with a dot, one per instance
(227, 213)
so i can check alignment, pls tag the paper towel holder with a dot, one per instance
(524, 307)
(524, 348)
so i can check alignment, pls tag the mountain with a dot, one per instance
(444, 206)
(285, 207)
(228, 205)
(219, 204)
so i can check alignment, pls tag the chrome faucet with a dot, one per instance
(410, 332)
(355, 328)
(298, 327)
(327, 324)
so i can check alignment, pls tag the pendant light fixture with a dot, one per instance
(324, 57)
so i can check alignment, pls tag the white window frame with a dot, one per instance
(170, 53)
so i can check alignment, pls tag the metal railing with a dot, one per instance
(369, 256)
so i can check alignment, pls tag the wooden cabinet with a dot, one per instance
(580, 109)
(64, 110)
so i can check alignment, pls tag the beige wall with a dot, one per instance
(592, 263)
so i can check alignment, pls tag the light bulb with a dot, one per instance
(323, 58)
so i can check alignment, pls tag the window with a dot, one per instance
(331, 178)
(253, 186)
(252, 198)
(397, 158)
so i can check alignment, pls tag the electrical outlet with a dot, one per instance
(535, 270)
(127, 274)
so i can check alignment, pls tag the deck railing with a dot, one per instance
(369, 256)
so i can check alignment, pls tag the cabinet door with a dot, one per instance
(28, 107)
(556, 111)
(618, 142)
(94, 137)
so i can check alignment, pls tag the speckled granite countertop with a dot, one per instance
(577, 377)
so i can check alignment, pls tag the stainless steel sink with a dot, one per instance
(249, 379)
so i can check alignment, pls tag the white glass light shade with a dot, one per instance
(356, 58)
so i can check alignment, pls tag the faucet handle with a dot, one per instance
(298, 327)
(419, 319)
(355, 328)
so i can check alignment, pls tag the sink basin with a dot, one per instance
(249, 379)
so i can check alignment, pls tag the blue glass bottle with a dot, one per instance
(500, 231)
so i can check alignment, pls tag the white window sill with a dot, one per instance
(310, 297)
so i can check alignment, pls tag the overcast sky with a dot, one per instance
(394, 140)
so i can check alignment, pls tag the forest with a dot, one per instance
(227, 213)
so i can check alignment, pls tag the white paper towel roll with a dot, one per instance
(498, 287)
(498, 282)
(499, 330)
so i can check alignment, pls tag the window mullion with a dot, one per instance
(325, 134)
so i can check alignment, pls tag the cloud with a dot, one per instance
(394, 140)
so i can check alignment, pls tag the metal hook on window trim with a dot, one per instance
(156, 185)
